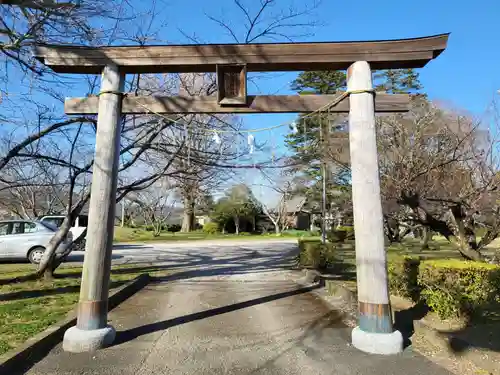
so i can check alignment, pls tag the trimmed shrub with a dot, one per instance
(340, 234)
(303, 240)
(403, 277)
(347, 229)
(336, 236)
(316, 255)
(454, 288)
(211, 228)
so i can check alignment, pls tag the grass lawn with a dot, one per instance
(27, 308)
(141, 235)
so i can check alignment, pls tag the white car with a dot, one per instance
(76, 230)
(28, 239)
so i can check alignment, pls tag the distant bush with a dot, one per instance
(245, 234)
(211, 228)
(174, 228)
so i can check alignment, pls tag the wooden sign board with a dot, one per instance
(232, 85)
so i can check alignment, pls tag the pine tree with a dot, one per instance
(305, 144)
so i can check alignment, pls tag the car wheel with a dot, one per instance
(35, 255)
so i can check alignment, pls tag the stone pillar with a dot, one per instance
(92, 331)
(374, 333)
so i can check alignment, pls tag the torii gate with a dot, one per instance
(374, 333)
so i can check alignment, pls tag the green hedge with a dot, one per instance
(403, 277)
(316, 255)
(450, 287)
(459, 288)
(211, 228)
(340, 234)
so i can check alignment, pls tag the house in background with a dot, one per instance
(202, 219)
(297, 216)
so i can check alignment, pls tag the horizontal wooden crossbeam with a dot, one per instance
(255, 104)
(382, 54)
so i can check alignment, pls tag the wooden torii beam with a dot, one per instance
(232, 62)
(375, 332)
(382, 54)
(384, 103)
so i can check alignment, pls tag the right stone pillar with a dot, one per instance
(374, 333)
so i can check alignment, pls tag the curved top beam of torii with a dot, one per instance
(381, 54)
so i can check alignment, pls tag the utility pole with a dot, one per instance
(323, 180)
(123, 212)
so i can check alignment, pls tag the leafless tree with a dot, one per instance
(281, 211)
(155, 204)
(267, 20)
(442, 165)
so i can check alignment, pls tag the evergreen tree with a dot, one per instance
(310, 144)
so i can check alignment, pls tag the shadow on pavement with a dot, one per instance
(132, 246)
(131, 334)
(78, 257)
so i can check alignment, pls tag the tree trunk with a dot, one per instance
(277, 228)
(49, 263)
(188, 215)
(237, 224)
(426, 238)
(46, 266)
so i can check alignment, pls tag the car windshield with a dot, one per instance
(55, 221)
(49, 226)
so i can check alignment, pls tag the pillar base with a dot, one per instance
(377, 343)
(77, 340)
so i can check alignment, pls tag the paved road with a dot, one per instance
(186, 252)
(236, 311)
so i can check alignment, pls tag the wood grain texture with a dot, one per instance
(97, 261)
(256, 104)
(371, 267)
(384, 54)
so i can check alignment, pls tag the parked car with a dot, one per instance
(76, 230)
(28, 239)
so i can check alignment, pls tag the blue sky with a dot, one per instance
(466, 75)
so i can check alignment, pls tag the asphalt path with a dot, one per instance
(188, 253)
(227, 308)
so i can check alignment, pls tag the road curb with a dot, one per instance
(37, 347)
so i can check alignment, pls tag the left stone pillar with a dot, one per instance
(92, 330)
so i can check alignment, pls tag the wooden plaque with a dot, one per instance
(232, 85)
